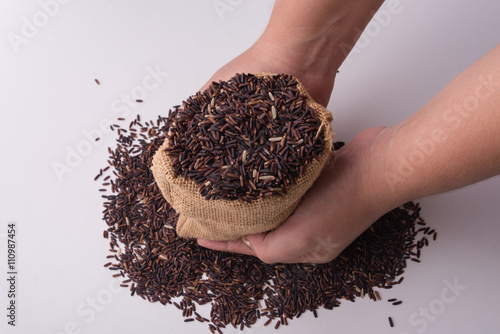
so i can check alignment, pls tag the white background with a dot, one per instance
(49, 101)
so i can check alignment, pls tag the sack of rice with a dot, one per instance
(240, 155)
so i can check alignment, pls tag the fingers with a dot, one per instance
(285, 244)
(234, 246)
(280, 245)
(289, 243)
(267, 254)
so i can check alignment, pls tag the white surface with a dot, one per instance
(48, 100)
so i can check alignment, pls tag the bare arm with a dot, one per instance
(308, 39)
(453, 141)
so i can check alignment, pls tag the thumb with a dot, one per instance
(284, 244)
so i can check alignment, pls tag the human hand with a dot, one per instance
(271, 57)
(344, 201)
(266, 57)
(307, 39)
(310, 40)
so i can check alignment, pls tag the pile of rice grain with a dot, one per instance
(159, 266)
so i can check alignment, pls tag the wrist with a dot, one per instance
(321, 32)
(314, 50)
(372, 166)
(300, 59)
(391, 186)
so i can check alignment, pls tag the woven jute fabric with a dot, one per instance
(222, 219)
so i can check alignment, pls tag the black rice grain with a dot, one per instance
(246, 138)
(239, 289)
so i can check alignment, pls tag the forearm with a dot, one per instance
(320, 32)
(452, 142)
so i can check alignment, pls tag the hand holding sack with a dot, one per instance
(240, 155)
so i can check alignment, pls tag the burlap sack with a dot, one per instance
(223, 219)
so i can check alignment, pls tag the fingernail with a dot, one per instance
(246, 242)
